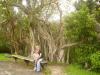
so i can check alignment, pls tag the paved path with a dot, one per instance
(11, 68)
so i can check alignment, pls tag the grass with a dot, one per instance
(3, 57)
(46, 71)
(77, 70)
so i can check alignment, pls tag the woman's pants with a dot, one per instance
(38, 65)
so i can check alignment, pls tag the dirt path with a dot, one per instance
(11, 68)
(56, 70)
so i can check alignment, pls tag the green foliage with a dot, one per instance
(4, 58)
(95, 60)
(80, 26)
(93, 7)
(97, 14)
(77, 70)
(84, 51)
(14, 28)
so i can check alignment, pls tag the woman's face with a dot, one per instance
(37, 48)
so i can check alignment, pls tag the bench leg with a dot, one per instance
(15, 59)
(27, 62)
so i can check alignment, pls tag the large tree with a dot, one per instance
(29, 26)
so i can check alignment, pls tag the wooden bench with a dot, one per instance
(27, 59)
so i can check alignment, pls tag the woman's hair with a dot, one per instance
(37, 46)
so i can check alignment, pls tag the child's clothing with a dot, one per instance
(38, 59)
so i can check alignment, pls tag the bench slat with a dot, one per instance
(23, 58)
(27, 59)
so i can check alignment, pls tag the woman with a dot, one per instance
(37, 57)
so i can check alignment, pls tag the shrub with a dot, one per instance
(95, 60)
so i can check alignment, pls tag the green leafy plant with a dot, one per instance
(95, 60)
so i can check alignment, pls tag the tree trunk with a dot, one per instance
(68, 54)
(32, 41)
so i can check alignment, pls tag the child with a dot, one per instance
(37, 57)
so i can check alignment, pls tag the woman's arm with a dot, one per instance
(40, 55)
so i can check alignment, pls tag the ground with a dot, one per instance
(57, 70)
(9, 67)
(12, 68)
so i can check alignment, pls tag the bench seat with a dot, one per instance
(27, 59)
(22, 57)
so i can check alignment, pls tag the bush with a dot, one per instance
(4, 49)
(84, 51)
(95, 60)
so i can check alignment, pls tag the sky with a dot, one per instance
(65, 5)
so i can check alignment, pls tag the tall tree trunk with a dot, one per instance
(61, 56)
(68, 54)
(32, 41)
